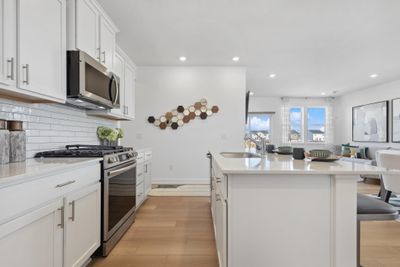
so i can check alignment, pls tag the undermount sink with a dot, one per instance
(239, 155)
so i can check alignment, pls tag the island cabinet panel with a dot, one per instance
(35, 239)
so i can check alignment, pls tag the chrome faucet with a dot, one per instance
(261, 144)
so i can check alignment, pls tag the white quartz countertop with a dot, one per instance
(32, 169)
(285, 164)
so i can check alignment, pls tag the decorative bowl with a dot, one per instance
(320, 153)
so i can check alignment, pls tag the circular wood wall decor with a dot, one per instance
(178, 117)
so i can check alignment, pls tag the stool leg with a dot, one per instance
(387, 196)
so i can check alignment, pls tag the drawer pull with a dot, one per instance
(62, 218)
(72, 218)
(11, 62)
(64, 184)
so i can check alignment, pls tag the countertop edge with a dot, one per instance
(27, 177)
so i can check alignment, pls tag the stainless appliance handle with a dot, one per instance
(72, 218)
(116, 92)
(11, 62)
(64, 184)
(26, 68)
(121, 170)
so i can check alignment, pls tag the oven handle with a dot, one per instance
(121, 170)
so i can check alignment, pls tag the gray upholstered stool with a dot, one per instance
(370, 209)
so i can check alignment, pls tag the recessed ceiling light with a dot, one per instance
(272, 75)
(182, 58)
(373, 75)
(251, 93)
(323, 93)
(236, 59)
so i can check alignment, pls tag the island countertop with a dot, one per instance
(31, 169)
(285, 164)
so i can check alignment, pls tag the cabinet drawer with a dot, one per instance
(139, 194)
(147, 155)
(140, 157)
(139, 174)
(19, 199)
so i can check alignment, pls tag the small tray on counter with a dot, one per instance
(328, 159)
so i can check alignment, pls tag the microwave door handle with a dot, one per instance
(116, 92)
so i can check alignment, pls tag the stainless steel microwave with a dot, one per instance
(89, 84)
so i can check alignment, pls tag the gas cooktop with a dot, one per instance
(84, 151)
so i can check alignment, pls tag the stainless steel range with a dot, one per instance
(118, 187)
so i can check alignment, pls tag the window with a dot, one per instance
(296, 124)
(307, 125)
(259, 126)
(316, 124)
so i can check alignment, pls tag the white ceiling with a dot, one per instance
(313, 46)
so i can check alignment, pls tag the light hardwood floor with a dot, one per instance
(168, 232)
(177, 232)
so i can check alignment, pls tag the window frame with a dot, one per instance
(304, 124)
(326, 120)
(271, 118)
(302, 136)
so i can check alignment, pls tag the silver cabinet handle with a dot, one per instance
(11, 62)
(26, 68)
(64, 184)
(104, 57)
(127, 110)
(72, 203)
(218, 197)
(98, 53)
(62, 218)
(218, 180)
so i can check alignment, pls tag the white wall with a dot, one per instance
(343, 107)
(52, 126)
(179, 156)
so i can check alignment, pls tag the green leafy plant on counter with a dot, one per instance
(109, 134)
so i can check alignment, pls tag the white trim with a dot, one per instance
(181, 181)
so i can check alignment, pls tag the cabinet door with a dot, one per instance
(87, 28)
(8, 42)
(130, 78)
(147, 178)
(107, 43)
(221, 227)
(34, 239)
(82, 231)
(118, 69)
(42, 47)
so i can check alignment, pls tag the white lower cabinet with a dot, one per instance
(60, 227)
(219, 209)
(143, 176)
(82, 230)
(34, 239)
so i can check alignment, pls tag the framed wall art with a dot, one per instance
(370, 122)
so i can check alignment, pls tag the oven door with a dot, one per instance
(119, 197)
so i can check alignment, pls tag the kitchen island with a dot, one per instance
(274, 211)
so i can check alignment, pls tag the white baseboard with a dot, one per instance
(181, 181)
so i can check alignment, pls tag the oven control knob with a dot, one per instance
(112, 160)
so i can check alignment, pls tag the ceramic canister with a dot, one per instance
(17, 142)
(4, 143)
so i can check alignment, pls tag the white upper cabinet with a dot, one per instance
(33, 49)
(8, 42)
(130, 79)
(42, 49)
(107, 43)
(91, 30)
(87, 28)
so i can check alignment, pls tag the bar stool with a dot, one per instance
(370, 209)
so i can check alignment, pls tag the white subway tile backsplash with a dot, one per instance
(52, 126)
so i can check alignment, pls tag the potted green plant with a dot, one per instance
(109, 136)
